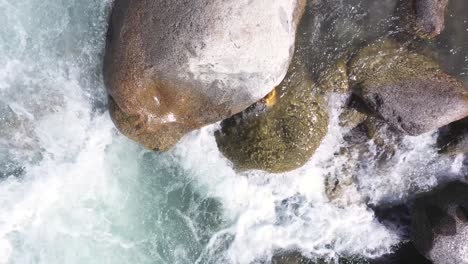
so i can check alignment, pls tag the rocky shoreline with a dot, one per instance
(169, 73)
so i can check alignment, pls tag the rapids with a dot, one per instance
(73, 190)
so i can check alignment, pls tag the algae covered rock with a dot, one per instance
(280, 137)
(408, 90)
(335, 78)
(174, 66)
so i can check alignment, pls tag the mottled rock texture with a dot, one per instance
(173, 66)
(281, 137)
(408, 90)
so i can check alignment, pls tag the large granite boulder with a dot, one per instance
(423, 18)
(281, 133)
(408, 90)
(440, 224)
(173, 66)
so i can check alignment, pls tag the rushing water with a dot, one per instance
(73, 190)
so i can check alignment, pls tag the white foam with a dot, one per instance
(89, 195)
(260, 225)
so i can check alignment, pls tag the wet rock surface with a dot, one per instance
(297, 258)
(405, 253)
(423, 18)
(173, 66)
(406, 89)
(440, 225)
(280, 137)
(453, 139)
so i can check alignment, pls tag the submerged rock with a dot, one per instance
(423, 18)
(440, 224)
(351, 118)
(406, 89)
(291, 258)
(173, 66)
(283, 136)
(298, 258)
(353, 113)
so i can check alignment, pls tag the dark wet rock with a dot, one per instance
(281, 137)
(351, 118)
(451, 44)
(172, 66)
(357, 135)
(375, 130)
(423, 18)
(439, 227)
(291, 258)
(298, 258)
(405, 253)
(406, 89)
(353, 113)
(395, 217)
(453, 139)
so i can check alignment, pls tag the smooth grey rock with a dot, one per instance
(408, 90)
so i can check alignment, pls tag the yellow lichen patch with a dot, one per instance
(271, 99)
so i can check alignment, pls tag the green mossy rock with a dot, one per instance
(281, 137)
(335, 79)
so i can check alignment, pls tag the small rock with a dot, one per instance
(406, 89)
(291, 258)
(439, 226)
(175, 66)
(351, 118)
(335, 78)
(282, 137)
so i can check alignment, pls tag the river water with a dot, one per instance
(73, 190)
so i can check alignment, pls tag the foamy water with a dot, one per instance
(76, 191)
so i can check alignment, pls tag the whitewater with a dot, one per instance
(74, 190)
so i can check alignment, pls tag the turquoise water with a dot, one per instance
(73, 190)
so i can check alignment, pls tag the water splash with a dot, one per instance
(75, 191)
